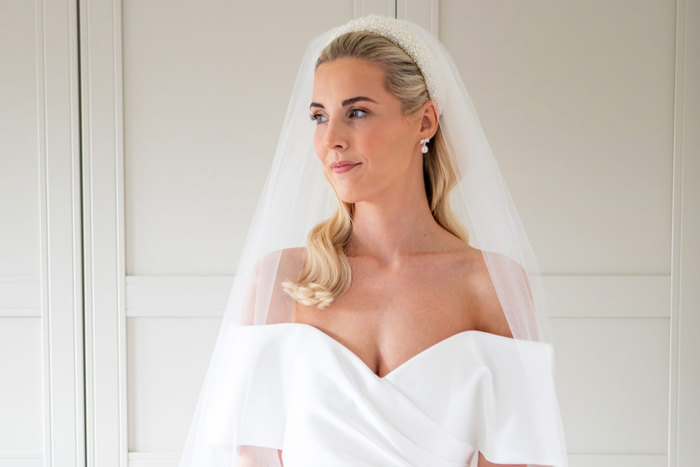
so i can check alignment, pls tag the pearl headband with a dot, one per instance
(410, 41)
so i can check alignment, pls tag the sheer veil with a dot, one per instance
(296, 197)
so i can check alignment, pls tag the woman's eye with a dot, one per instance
(314, 117)
(357, 110)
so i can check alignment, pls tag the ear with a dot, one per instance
(428, 120)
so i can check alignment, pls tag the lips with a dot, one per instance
(342, 163)
(343, 167)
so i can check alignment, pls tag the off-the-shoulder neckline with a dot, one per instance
(418, 356)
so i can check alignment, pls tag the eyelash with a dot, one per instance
(313, 116)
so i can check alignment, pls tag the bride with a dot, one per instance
(388, 338)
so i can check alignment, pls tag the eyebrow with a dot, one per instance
(346, 101)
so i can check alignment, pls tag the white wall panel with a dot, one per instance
(41, 356)
(21, 360)
(684, 403)
(612, 376)
(21, 411)
(577, 101)
(19, 169)
(167, 362)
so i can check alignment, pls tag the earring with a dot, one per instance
(425, 145)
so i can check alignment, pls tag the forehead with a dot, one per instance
(347, 76)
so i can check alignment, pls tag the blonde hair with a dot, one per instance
(326, 271)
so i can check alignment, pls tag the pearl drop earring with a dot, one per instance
(425, 145)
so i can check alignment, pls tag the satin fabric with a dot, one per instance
(307, 394)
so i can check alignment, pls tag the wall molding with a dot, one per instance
(22, 459)
(684, 405)
(101, 88)
(365, 7)
(58, 289)
(602, 296)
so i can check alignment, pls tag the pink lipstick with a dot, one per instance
(343, 166)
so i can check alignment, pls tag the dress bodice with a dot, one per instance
(299, 390)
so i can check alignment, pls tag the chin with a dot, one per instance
(350, 197)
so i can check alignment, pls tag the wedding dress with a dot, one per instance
(317, 401)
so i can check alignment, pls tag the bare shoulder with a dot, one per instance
(285, 260)
(293, 258)
(291, 262)
(280, 266)
(491, 317)
(283, 265)
(294, 254)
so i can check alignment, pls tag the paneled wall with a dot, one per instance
(42, 419)
(136, 140)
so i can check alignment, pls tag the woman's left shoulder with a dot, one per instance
(478, 283)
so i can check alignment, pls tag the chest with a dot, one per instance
(388, 316)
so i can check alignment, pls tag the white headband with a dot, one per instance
(400, 33)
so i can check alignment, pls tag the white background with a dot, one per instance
(135, 139)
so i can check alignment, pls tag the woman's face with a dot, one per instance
(372, 133)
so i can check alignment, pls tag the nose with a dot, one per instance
(334, 136)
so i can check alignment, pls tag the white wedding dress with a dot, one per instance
(295, 388)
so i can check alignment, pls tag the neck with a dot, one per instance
(394, 224)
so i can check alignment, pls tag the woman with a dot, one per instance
(387, 338)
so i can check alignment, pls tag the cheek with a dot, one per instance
(386, 148)
(375, 140)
